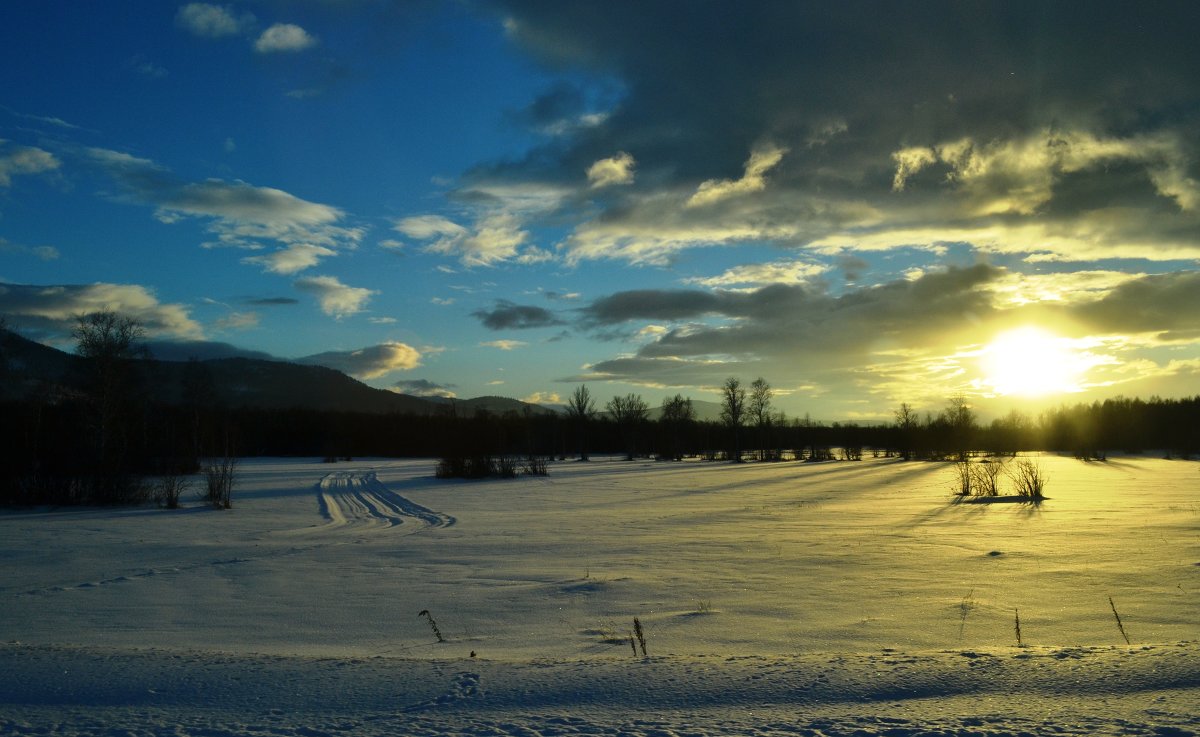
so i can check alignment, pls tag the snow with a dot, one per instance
(777, 599)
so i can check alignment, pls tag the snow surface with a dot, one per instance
(776, 599)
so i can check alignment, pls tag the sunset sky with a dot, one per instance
(863, 203)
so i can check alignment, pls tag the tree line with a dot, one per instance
(99, 445)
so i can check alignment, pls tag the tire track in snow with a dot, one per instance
(360, 499)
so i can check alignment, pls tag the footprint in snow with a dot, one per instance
(465, 686)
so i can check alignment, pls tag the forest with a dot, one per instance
(104, 442)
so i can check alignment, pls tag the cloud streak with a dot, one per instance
(371, 362)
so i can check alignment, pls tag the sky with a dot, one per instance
(863, 203)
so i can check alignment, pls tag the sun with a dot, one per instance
(1031, 362)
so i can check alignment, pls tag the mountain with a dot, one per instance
(493, 405)
(28, 368)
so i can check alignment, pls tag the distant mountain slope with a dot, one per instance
(28, 367)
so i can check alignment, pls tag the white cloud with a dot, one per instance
(337, 299)
(237, 321)
(382, 320)
(425, 227)
(25, 160)
(1018, 175)
(543, 398)
(762, 160)
(212, 21)
(495, 237)
(504, 345)
(776, 272)
(371, 362)
(292, 259)
(244, 214)
(283, 37)
(615, 170)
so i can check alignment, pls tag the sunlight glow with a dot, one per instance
(1032, 362)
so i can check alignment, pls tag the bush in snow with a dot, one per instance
(1028, 478)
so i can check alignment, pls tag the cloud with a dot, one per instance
(45, 253)
(212, 21)
(507, 315)
(271, 301)
(241, 215)
(424, 388)
(615, 170)
(371, 362)
(761, 161)
(897, 126)
(283, 37)
(504, 345)
(237, 321)
(1020, 175)
(427, 227)
(50, 310)
(24, 160)
(292, 259)
(546, 398)
(495, 237)
(337, 300)
(793, 271)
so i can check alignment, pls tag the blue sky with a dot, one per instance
(865, 205)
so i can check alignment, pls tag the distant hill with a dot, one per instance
(28, 368)
(496, 406)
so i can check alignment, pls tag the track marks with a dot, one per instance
(360, 499)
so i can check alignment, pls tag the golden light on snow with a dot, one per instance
(1032, 362)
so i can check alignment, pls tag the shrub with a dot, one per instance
(169, 488)
(218, 481)
(1028, 478)
(964, 477)
(985, 477)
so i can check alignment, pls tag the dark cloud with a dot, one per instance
(906, 335)
(271, 301)
(1024, 127)
(795, 332)
(50, 311)
(508, 316)
(1168, 304)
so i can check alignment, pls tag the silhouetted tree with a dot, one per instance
(907, 423)
(677, 414)
(759, 409)
(109, 343)
(960, 422)
(581, 409)
(629, 412)
(733, 413)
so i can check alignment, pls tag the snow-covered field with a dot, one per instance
(776, 599)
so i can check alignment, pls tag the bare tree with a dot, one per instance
(759, 410)
(629, 412)
(960, 419)
(581, 408)
(907, 422)
(677, 413)
(109, 343)
(733, 412)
